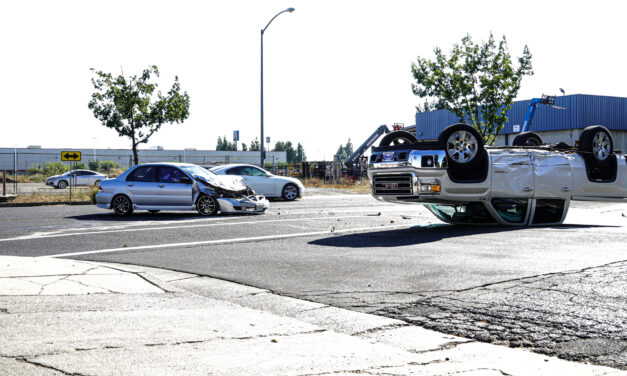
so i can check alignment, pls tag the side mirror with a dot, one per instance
(186, 180)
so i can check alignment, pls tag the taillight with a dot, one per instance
(99, 187)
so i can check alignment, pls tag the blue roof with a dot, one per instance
(579, 112)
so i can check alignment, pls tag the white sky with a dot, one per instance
(332, 69)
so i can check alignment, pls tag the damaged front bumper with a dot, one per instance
(249, 204)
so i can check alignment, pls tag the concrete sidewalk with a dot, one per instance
(64, 317)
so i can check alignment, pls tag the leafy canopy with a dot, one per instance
(134, 107)
(477, 83)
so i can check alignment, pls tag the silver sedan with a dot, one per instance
(76, 177)
(177, 186)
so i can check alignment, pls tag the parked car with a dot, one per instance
(177, 186)
(77, 177)
(263, 181)
(461, 181)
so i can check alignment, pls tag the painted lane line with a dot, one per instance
(107, 231)
(225, 241)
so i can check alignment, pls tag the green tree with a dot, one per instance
(244, 147)
(225, 145)
(255, 145)
(344, 151)
(477, 83)
(288, 148)
(300, 153)
(133, 106)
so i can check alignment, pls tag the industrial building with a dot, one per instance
(551, 124)
(23, 158)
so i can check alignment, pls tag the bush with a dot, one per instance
(55, 168)
(92, 194)
(34, 170)
(103, 166)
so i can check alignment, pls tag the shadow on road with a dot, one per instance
(420, 235)
(145, 216)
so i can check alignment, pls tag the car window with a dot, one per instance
(513, 210)
(256, 172)
(472, 212)
(548, 211)
(143, 174)
(89, 173)
(234, 171)
(169, 174)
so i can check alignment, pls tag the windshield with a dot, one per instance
(470, 213)
(197, 170)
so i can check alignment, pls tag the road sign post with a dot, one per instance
(72, 157)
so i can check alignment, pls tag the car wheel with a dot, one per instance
(527, 139)
(206, 205)
(62, 184)
(122, 205)
(397, 138)
(154, 211)
(290, 192)
(597, 140)
(462, 143)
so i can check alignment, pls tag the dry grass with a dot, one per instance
(355, 186)
(79, 195)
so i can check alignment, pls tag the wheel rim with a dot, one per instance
(206, 205)
(601, 146)
(461, 146)
(121, 205)
(62, 184)
(290, 192)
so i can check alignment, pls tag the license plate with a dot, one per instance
(258, 207)
(388, 156)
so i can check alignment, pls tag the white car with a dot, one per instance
(461, 181)
(264, 182)
(77, 177)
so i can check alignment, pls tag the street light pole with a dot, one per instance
(263, 152)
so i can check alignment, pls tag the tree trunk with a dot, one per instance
(135, 157)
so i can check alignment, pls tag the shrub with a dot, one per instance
(55, 168)
(34, 170)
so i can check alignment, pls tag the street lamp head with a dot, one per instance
(290, 10)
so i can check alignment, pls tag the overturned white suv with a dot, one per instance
(462, 182)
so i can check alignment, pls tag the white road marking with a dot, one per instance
(225, 241)
(107, 230)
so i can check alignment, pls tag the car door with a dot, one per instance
(141, 185)
(174, 187)
(553, 175)
(512, 175)
(258, 180)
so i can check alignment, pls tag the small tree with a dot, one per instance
(134, 108)
(300, 153)
(477, 83)
(255, 145)
(344, 151)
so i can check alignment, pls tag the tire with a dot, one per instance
(527, 139)
(122, 205)
(398, 138)
(290, 192)
(62, 184)
(154, 211)
(462, 144)
(206, 205)
(597, 140)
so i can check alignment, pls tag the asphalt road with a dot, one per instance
(558, 290)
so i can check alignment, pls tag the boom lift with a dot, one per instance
(383, 129)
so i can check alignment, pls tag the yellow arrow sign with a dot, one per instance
(72, 156)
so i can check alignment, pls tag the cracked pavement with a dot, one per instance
(579, 315)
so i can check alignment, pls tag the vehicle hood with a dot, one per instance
(226, 182)
(54, 177)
